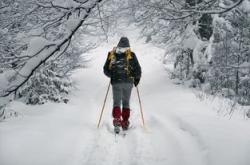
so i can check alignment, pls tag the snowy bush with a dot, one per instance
(226, 92)
(230, 54)
(248, 113)
(45, 85)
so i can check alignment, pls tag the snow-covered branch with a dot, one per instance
(177, 10)
(42, 55)
(224, 9)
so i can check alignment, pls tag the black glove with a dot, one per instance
(136, 81)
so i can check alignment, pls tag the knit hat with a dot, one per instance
(123, 43)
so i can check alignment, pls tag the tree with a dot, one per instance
(231, 54)
(36, 33)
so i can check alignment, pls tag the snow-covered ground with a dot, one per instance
(181, 130)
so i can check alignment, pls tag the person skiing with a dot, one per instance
(124, 70)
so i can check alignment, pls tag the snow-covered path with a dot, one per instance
(181, 130)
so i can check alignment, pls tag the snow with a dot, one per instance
(245, 65)
(72, 3)
(198, 53)
(66, 3)
(190, 40)
(3, 31)
(35, 45)
(227, 92)
(36, 32)
(181, 130)
(42, 52)
(72, 23)
(246, 5)
(5, 77)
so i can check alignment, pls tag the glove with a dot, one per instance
(136, 81)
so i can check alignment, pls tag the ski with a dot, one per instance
(116, 139)
(117, 129)
(125, 132)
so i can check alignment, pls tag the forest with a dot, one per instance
(190, 104)
(42, 41)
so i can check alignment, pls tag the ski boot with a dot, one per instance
(125, 117)
(117, 125)
(117, 119)
(125, 125)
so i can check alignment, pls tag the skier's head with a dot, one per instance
(123, 43)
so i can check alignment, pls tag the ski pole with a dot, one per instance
(100, 118)
(143, 123)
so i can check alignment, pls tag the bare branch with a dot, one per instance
(101, 20)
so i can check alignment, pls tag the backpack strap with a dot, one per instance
(128, 57)
(128, 54)
(111, 57)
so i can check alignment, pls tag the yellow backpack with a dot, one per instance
(128, 57)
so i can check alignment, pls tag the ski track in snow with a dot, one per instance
(174, 124)
(106, 150)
